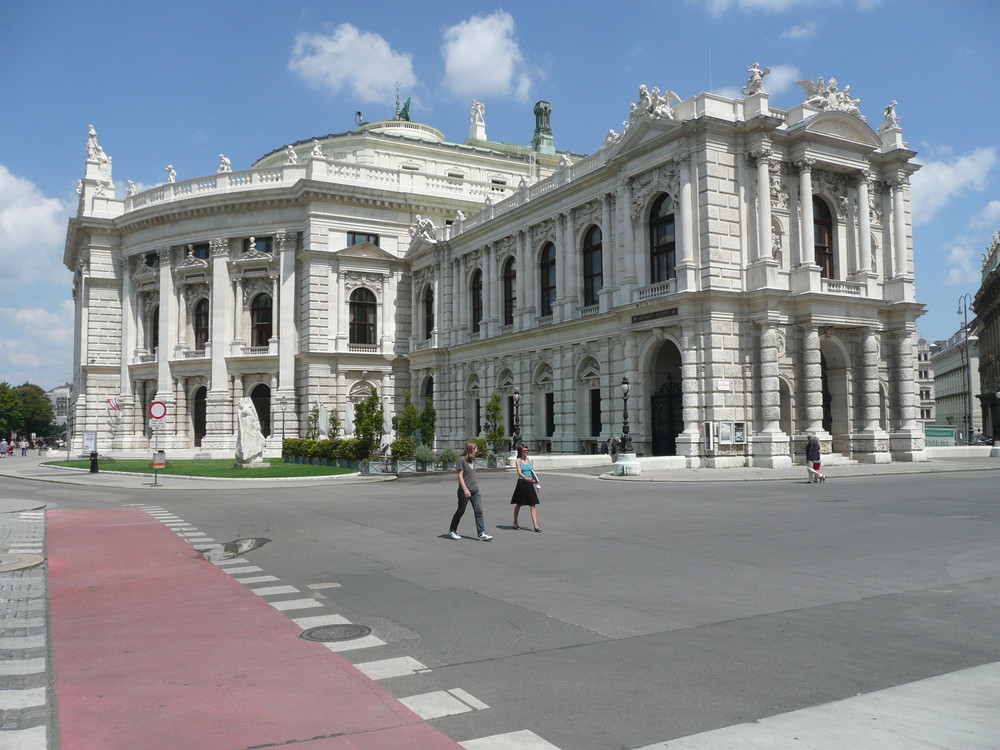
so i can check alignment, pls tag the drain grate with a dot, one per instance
(327, 633)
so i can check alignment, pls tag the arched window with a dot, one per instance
(428, 311)
(823, 237)
(547, 278)
(593, 274)
(201, 323)
(476, 298)
(363, 311)
(662, 245)
(509, 292)
(260, 320)
(154, 328)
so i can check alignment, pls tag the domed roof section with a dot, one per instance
(404, 129)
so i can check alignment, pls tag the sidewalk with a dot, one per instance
(33, 468)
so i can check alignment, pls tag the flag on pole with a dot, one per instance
(113, 403)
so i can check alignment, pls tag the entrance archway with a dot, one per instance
(198, 415)
(665, 402)
(261, 397)
(835, 365)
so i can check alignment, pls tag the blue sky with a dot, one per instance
(181, 82)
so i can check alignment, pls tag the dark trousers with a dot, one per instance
(477, 508)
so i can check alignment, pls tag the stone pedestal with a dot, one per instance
(628, 465)
(763, 274)
(771, 451)
(907, 445)
(807, 278)
(871, 447)
(690, 446)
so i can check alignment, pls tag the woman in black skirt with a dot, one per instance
(526, 490)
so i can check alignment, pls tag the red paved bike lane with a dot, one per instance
(156, 648)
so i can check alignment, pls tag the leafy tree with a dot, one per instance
(493, 424)
(408, 422)
(333, 424)
(37, 414)
(312, 423)
(368, 418)
(11, 412)
(427, 420)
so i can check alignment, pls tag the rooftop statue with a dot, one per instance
(755, 84)
(132, 190)
(171, 174)
(652, 105)
(424, 229)
(224, 164)
(404, 113)
(290, 156)
(543, 111)
(476, 115)
(891, 118)
(826, 96)
(317, 151)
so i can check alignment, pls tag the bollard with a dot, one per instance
(93, 462)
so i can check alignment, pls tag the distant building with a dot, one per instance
(987, 309)
(955, 363)
(59, 396)
(748, 269)
(924, 373)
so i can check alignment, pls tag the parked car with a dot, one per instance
(983, 440)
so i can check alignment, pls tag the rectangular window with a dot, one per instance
(260, 244)
(200, 251)
(925, 413)
(550, 414)
(925, 394)
(923, 374)
(357, 238)
(595, 412)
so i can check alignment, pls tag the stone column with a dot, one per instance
(812, 391)
(689, 441)
(571, 277)
(687, 268)
(864, 224)
(238, 315)
(221, 295)
(561, 259)
(128, 327)
(769, 395)
(807, 243)
(168, 329)
(461, 294)
(607, 253)
(871, 445)
(286, 315)
(763, 156)
(530, 283)
(522, 268)
(907, 443)
(628, 250)
(339, 319)
(385, 319)
(899, 264)
(438, 306)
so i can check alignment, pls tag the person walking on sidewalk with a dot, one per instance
(813, 460)
(526, 489)
(3, 447)
(468, 491)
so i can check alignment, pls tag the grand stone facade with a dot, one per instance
(748, 269)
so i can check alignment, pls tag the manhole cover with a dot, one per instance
(327, 633)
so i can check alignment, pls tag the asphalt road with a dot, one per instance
(643, 612)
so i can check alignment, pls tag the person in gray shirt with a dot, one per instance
(468, 490)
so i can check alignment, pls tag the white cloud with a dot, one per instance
(360, 61)
(482, 57)
(37, 344)
(782, 78)
(938, 182)
(962, 269)
(989, 217)
(719, 7)
(803, 31)
(33, 232)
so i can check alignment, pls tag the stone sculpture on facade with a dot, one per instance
(224, 164)
(290, 156)
(823, 95)
(891, 118)
(478, 109)
(424, 229)
(652, 105)
(317, 150)
(755, 84)
(132, 189)
(249, 438)
(171, 174)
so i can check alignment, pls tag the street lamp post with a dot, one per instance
(626, 438)
(283, 404)
(963, 309)
(515, 433)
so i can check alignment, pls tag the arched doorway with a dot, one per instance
(198, 415)
(836, 367)
(261, 397)
(666, 418)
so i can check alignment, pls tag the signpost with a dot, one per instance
(939, 434)
(157, 411)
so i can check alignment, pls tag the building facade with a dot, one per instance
(925, 383)
(749, 270)
(987, 309)
(956, 382)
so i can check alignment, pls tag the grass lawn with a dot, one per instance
(222, 467)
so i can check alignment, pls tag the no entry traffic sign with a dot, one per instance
(157, 410)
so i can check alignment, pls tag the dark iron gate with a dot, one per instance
(667, 420)
(198, 416)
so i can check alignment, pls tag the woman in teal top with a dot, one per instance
(526, 490)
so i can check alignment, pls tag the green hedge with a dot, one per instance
(312, 448)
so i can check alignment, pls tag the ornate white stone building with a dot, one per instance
(748, 269)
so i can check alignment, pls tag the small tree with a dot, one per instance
(368, 418)
(408, 422)
(427, 421)
(312, 424)
(334, 425)
(493, 424)
(11, 410)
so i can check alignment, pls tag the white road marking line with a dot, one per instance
(23, 667)
(257, 579)
(316, 620)
(15, 700)
(34, 738)
(244, 569)
(21, 642)
(295, 604)
(439, 703)
(275, 590)
(523, 740)
(369, 641)
(387, 668)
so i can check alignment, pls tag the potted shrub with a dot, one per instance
(481, 453)
(448, 458)
(424, 455)
(404, 452)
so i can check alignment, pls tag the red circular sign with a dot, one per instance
(157, 410)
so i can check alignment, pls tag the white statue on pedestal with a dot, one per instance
(224, 164)
(249, 438)
(755, 84)
(317, 151)
(891, 118)
(424, 229)
(290, 156)
(171, 174)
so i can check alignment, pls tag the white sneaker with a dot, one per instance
(454, 535)
(485, 537)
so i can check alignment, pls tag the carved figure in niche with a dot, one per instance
(477, 112)
(290, 156)
(171, 174)
(224, 164)
(131, 190)
(891, 118)
(424, 229)
(317, 152)
(755, 84)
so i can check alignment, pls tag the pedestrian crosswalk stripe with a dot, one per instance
(388, 668)
(523, 740)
